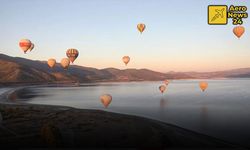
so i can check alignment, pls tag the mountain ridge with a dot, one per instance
(22, 70)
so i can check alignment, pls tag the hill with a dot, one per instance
(21, 70)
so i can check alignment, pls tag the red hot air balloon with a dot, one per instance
(25, 45)
(72, 54)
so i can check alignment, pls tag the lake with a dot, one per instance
(222, 111)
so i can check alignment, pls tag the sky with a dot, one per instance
(177, 36)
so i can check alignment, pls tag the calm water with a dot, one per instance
(223, 111)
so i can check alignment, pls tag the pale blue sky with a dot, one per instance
(177, 36)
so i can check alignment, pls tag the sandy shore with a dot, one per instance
(26, 125)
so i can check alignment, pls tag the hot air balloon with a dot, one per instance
(126, 59)
(162, 88)
(72, 54)
(106, 100)
(31, 47)
(141, 27)
(203, 85)
(51, 63)
(65, 63)
(25, 44)
(166, 82)
(239, 31)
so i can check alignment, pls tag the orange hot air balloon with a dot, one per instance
(239, 31)
(72, 54)
(106, 100)
(31, 47)
(162, 88)
(25, 44)
(51, 63)
(166, 82)
(203, 85)
(126, 59)
(141, 27)
(65, 63)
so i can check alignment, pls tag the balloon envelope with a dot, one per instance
(51, 63)
(106, 100)
(72, 54)
(203, 85)
(141, 27)
(162, 88)
(65, 63)
(126, 59)
(25, 44)
(238, 31)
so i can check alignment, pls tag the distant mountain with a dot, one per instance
(21, 70)
(234, 73)
(135, 74)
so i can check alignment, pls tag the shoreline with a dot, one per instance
(127, 129)
(74, 83)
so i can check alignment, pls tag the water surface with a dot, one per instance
(222, 111)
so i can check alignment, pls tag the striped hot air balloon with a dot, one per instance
(141, 27)
(72, 54)
(25, 44)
